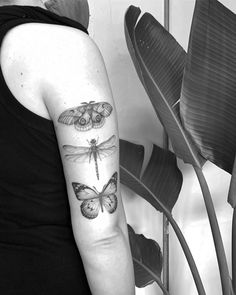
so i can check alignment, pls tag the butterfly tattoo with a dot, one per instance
(87, 116)
(93, 201)
(94, 151)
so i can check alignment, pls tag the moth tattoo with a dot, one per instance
(94, 150)
(87, 116)
(93, 201)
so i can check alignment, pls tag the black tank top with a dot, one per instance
(38, 253)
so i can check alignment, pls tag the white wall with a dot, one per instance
(138, 123)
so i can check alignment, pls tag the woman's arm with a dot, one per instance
(78, 97)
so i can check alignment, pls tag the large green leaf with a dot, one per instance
(208, 98)
(159, 61)
(147, 260)
(161, 181)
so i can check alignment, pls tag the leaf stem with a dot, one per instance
(219, 247)
(179, 234)
(155, 277)
(165, 252)
(165, 234)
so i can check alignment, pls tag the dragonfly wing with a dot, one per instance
(107, 143)
(103, 153)
(90, 208)
(80, 158)
(110, 203)
(76, 149)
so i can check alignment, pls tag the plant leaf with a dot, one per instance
(208, 104)
(147, 259)
(232, 188)
(131, 160)
(131, 18)
(159, 61)
(161, 181)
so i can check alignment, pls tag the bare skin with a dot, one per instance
(65, 81)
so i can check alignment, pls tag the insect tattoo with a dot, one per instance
(93, 201)
(87, 116)
(94, 150)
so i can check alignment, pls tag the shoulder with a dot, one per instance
(53, 52)
(45, 39)
(54, 59)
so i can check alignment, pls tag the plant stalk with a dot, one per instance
(187, 253)
(165, 234)
(156, 278)
(179, 234)
(234, 251)
(167, 14)
(165, 226)
(165, 252)
(219, 247)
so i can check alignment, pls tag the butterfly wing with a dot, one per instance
(83, 192)
(90, 208)
(110, 203)
(109, 199)
(91, 205)
(69, 116)
(111, 187)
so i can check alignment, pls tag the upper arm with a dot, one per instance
(79, 100)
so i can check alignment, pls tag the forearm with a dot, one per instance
(108, 266)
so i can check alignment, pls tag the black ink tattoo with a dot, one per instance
(92, 200)
(87, 116)
(95, 151)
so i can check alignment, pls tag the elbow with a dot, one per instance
(109, 239)
(109, 249)
(105, 241)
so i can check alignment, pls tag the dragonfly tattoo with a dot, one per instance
(94, 150)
